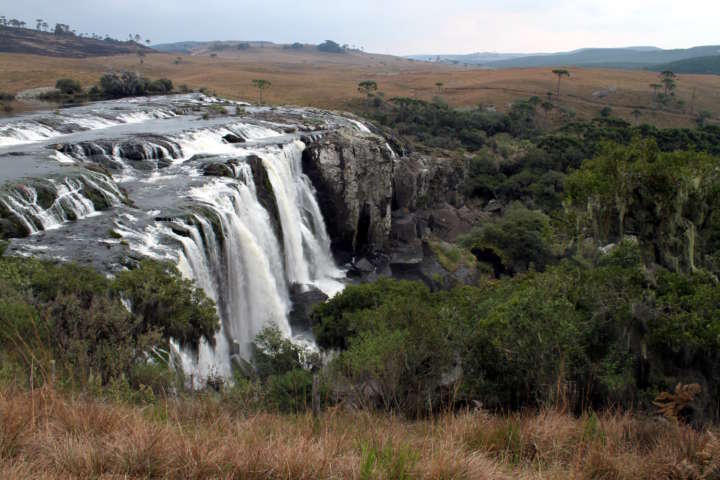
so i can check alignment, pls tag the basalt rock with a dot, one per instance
(352, 174)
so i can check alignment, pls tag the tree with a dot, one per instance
(636, 114)
(702, 118)
(439, 86)
(560, 74)
(68, 86)
(62, 29)
(39, 24)
(655, 87)
(261, 85)
(667, 78)
(367, 87)
(330, 47)
(547, 107)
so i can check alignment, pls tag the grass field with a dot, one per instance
(45, 435)
(330, 80)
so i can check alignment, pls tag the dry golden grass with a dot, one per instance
(330, 80)
(48, 435)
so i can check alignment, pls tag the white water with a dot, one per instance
(30, 131)
(227, 242)
(234, 253)
(70, 201)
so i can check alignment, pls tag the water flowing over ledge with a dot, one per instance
(224, 197)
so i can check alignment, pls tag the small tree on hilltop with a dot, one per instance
(368, 87)
(261, 85)
(560, 74)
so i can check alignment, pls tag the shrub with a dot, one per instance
(290, 392)
(162, 85)
(513, 243)
(125, 84)
(68, 86)
(329, 46)
(274, 354)
(165, 300)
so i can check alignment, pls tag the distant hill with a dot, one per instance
(472, 58)
(628, 58)
(34, 42)
(700, 65)
(198, 48)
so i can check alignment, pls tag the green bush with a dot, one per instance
(290, 392)
(513, 243)
(70, 320)
(68, 86)
(274, 354)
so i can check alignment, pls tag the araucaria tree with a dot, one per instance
(261, 85)
(560, 74)
(667, 78)
(368, 87)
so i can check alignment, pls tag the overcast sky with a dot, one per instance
(395, 26)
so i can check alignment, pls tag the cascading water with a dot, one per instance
(247, 238)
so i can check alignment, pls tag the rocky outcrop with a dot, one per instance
(382, 210)
(352, 173)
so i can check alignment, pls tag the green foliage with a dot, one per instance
(397, 339)
(665, 199)
(435, 124)
(581, 336)
(162, 85)
(386, 462)
(367, 87)
(328, 46)
(290, 392)
(340, 319)
(70, 319)
(68, 86)
(169, 302)
(519, 240)
(273, 354)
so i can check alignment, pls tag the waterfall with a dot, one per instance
(70, 200)
(248, 240)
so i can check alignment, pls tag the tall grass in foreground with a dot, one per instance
(45, 434)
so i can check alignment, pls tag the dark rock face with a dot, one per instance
(232, 138)
(265, 193)
(217, 170)
(353, 177)
(304, 299)
(381, 209)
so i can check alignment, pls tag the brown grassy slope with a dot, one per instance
(330, 80)
(46, 435)
(28, 41)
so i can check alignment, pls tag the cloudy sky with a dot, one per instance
(395, 26)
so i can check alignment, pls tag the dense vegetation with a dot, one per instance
(71, 324)
(111, 85)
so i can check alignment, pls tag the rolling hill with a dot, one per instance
(24, 40)
(699, 65)
(625, 58)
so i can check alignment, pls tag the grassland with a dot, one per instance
(330, 81)
(45, 435)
